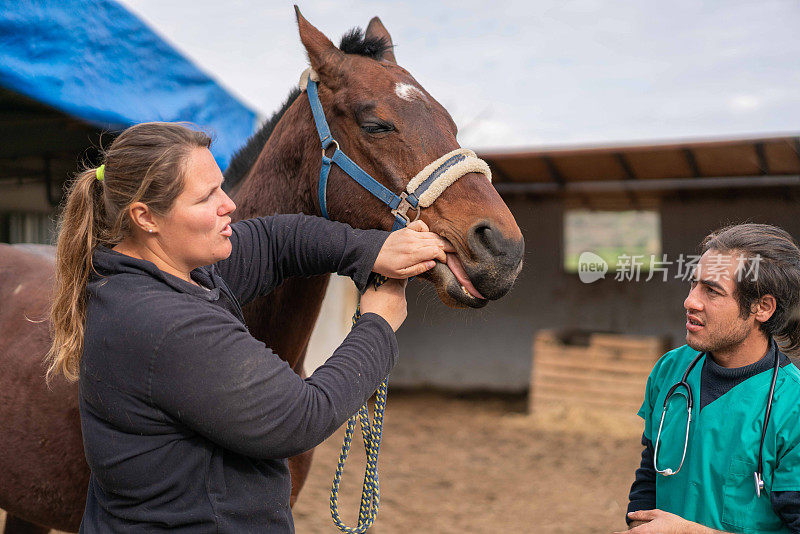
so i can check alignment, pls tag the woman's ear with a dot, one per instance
(142, 218)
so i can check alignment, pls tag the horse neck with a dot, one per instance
(284, 177)
(284, 180)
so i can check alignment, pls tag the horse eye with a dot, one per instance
(377, 127)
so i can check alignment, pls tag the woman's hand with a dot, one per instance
(411, 251)
(388, 301)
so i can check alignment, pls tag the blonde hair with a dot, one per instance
(145, 163)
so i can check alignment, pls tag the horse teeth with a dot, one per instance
(467, 293)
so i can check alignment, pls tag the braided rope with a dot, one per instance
(371, 432)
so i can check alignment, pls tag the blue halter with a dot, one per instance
(398, 205)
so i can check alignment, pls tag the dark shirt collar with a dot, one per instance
(717, 380)
(108, 262)
(728, 373)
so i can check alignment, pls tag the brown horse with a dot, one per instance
(391, 127)
(43, 474)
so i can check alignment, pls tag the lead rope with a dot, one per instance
(371, 432)
(420, 193)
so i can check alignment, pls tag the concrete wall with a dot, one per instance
(490, 349)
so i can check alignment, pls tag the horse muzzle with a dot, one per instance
(484, 272)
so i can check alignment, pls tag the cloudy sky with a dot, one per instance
(530, 73)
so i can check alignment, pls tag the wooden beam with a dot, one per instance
(555, 174)
(626, 168)
(668, 184)
(692, 162)
(763, 164)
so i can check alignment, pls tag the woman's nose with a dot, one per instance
(228, 206)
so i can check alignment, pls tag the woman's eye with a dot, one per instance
(376, 127)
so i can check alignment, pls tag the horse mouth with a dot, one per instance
(454, 285)
(457, 268)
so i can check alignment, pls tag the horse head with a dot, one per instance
(388, 124)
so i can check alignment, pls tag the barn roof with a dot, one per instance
(737, 162)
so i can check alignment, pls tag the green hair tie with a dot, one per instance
(100, 172)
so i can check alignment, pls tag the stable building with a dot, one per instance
(627, 205)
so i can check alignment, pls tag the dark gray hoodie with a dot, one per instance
(187, 419)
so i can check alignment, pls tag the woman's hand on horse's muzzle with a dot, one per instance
(411, 251)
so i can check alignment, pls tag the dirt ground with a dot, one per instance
(457, 465)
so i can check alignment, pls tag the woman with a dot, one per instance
(187, 419)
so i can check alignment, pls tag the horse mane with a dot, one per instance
(246, 156)
(353, 42)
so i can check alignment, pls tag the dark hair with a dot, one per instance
(145, 163)
(770, 260)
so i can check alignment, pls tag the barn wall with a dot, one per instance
(29, 197)
(490, 349)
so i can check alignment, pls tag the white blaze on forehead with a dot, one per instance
(408, 92)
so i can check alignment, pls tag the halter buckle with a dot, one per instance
(403, 207)
(326, 144)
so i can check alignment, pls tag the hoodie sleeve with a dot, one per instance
(642, 495)
(210, 374)
(267, 250)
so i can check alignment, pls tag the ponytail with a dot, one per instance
(78, 232)
(788, 337)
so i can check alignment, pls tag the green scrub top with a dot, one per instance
(715, 487)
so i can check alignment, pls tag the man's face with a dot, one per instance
(713, 321)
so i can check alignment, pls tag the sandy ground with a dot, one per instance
(456, 465)
(452, 465)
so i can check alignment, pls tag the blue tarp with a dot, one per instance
(96, 61)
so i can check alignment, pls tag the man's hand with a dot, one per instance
(411, 251)
(661, 522)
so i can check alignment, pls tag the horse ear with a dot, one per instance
(375, 28)
(322, 53)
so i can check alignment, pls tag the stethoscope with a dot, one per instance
(759, 474)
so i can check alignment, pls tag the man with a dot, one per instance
(745, 293)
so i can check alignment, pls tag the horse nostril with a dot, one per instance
(487, 238)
